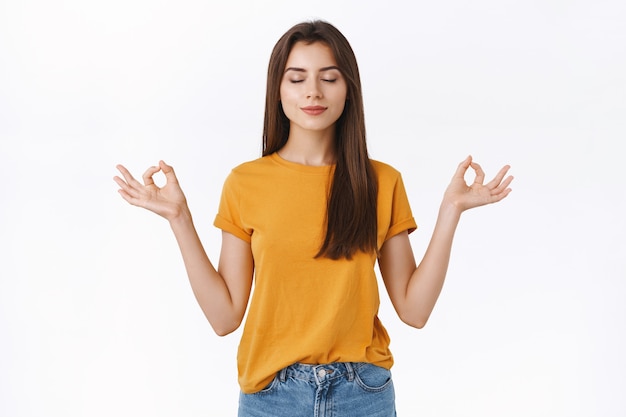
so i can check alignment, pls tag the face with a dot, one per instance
(312, 91)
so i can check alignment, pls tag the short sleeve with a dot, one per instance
(229, 216)
(401, 217)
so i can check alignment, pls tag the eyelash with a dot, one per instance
(323, 79)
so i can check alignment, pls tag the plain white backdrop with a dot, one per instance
(96, 314)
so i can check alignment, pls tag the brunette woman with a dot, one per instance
(308, 220)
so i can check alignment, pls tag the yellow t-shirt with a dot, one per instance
(304, 309)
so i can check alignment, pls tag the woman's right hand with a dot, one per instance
(168, 201)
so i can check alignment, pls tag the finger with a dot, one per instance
(480, 174)
(147, 176)
(462, 168)
(503, 186)
(168, 170)
(120, 182)
(130, 180)
(494, 183)
(129, 199)
(126, 190)
(501, 195)
(131, 187)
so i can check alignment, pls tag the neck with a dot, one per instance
(309, 147)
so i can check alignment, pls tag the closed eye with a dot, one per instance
(329, 80)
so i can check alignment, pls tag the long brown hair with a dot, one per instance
(351, 221)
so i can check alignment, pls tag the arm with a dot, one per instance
(222, 293)
(414, 290)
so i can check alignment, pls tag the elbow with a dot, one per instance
(416, 324)
(224, 330)
(224, 326)
(419, 324)
(223, 321)
(416, 321)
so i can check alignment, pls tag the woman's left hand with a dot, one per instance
(463, 196)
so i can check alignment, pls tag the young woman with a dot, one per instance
(308, 220)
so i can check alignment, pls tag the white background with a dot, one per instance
(96, 314)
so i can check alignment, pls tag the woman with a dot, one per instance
(309, 220)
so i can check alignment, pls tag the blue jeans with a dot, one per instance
(330, 390)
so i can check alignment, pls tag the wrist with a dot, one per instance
(180, 217)
(450, 209)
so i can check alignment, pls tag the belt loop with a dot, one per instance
(350, 370)
(282, 375)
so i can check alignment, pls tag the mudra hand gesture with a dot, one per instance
(168, 201)
(464, 197)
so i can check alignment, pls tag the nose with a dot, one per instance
(313, 89)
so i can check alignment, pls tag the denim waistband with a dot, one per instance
(319, 373)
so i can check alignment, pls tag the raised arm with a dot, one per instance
(414, 290)
(223, 293)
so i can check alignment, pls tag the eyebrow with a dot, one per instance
(332, 67)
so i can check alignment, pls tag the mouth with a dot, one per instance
(313, 110)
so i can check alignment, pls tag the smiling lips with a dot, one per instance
(313, 110)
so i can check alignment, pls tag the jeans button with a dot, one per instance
(321, 373)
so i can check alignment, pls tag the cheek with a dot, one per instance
(341, 94)
(341, 97)
(286, 95)
(287, 90)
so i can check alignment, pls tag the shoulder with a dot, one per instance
(382, 166)
(385, 172)
(252, 175)
(254, 166)
(251, 170)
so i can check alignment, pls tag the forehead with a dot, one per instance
(310, 56)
